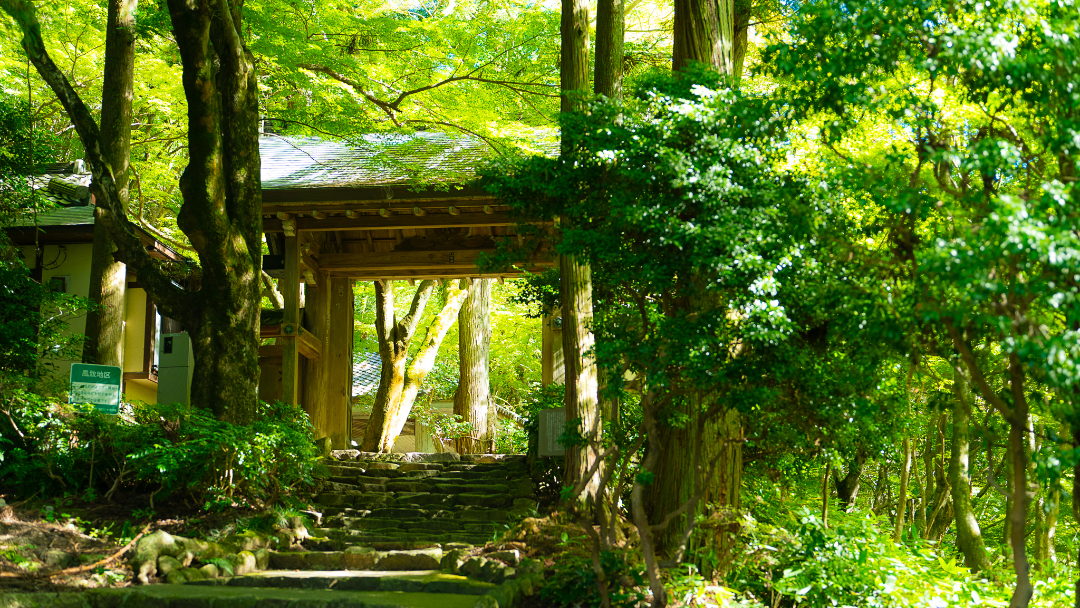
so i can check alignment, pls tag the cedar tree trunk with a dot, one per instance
(221, 212)
(610, 29)
(108, 278)
(473, 399)
(576, 274)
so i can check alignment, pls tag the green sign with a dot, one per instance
(97, 384)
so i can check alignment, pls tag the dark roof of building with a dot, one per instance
(366, 373)
(372, 160)
(61, 216)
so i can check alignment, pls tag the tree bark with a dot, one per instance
(222, 202)
(581, 380)
(397, 413)
(901, 501)
(473, 399)
(1019, 427)
(847, 487)
(394, 337)
(968, 535)
(108, 278)
(711, 32)
(610, 26)
(576, 275)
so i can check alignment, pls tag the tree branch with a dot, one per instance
(170, 297)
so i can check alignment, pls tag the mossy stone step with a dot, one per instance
(484, 500)
(414, 582)
(205, 596)
(472, 488)
(354, 558)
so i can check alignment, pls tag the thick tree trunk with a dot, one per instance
(222, 209)
(581, 379)
(610, 26)
(901, 501)
(473, 399)
(968, 535)
(108, 278)
(394, 338)
(401, 380)
(397, 413)
(711, 32)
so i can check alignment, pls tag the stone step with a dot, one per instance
(363, 558)
(217, 596)
(349, 580)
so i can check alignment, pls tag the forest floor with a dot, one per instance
(53, 545)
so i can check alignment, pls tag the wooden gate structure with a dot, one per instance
(334, 214)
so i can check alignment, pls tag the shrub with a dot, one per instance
(48, 448)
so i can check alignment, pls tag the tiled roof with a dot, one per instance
(373, 160)
(62, 216)
(71, 210)
(366, 374)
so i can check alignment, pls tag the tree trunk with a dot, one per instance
(847, 487)
(473, 399)
(397, 413)
(675, 475)
(825, 495)
(929, 487)
(901, 500)
(610, 25)
(574, 60)
(108, 278)
(576, 275)
(222, 202)
(711, 32)
(581, 380)
(1019, 428)
(394, 337)
(968, 535)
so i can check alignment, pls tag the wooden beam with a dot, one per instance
(401, 260)
(393, 222)
(290, 325)
(402, 206)
(309, 346)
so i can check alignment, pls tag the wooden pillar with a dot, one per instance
(552, 368)
(290, 325)
(315, 389)
(337, 353)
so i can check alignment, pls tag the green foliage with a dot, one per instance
(33, 323)
(573, 583)
(51, 447)
(853, 563)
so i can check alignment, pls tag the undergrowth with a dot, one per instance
(49, 449)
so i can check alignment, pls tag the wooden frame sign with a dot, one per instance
(96, 384)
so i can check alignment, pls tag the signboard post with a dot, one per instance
(97, 384)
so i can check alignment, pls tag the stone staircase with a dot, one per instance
(393, 531)
(405, 511)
